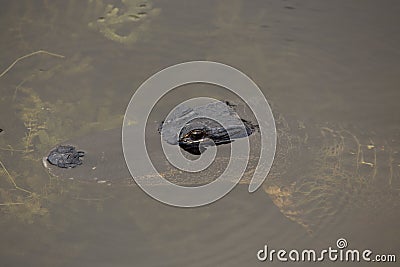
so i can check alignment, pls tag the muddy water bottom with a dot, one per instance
(132, 229)
(129, 228)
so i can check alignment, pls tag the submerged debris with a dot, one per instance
(124, 23)
(65, 157)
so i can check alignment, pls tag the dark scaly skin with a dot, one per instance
(199, 133)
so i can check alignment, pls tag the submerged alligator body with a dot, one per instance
(318, 171)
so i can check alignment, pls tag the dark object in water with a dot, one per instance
(1, 130)
(65, 156)
(199, 133)
(195, 136)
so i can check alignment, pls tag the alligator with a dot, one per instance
(197, 133)
(318, 170)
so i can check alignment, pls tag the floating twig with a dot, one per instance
(29, 55)
(13, 181)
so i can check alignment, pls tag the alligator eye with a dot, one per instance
(196, 134)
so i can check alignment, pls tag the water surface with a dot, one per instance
(333, 62)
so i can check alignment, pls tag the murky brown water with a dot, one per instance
(331, 62)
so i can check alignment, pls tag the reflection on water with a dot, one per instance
(322, 63)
